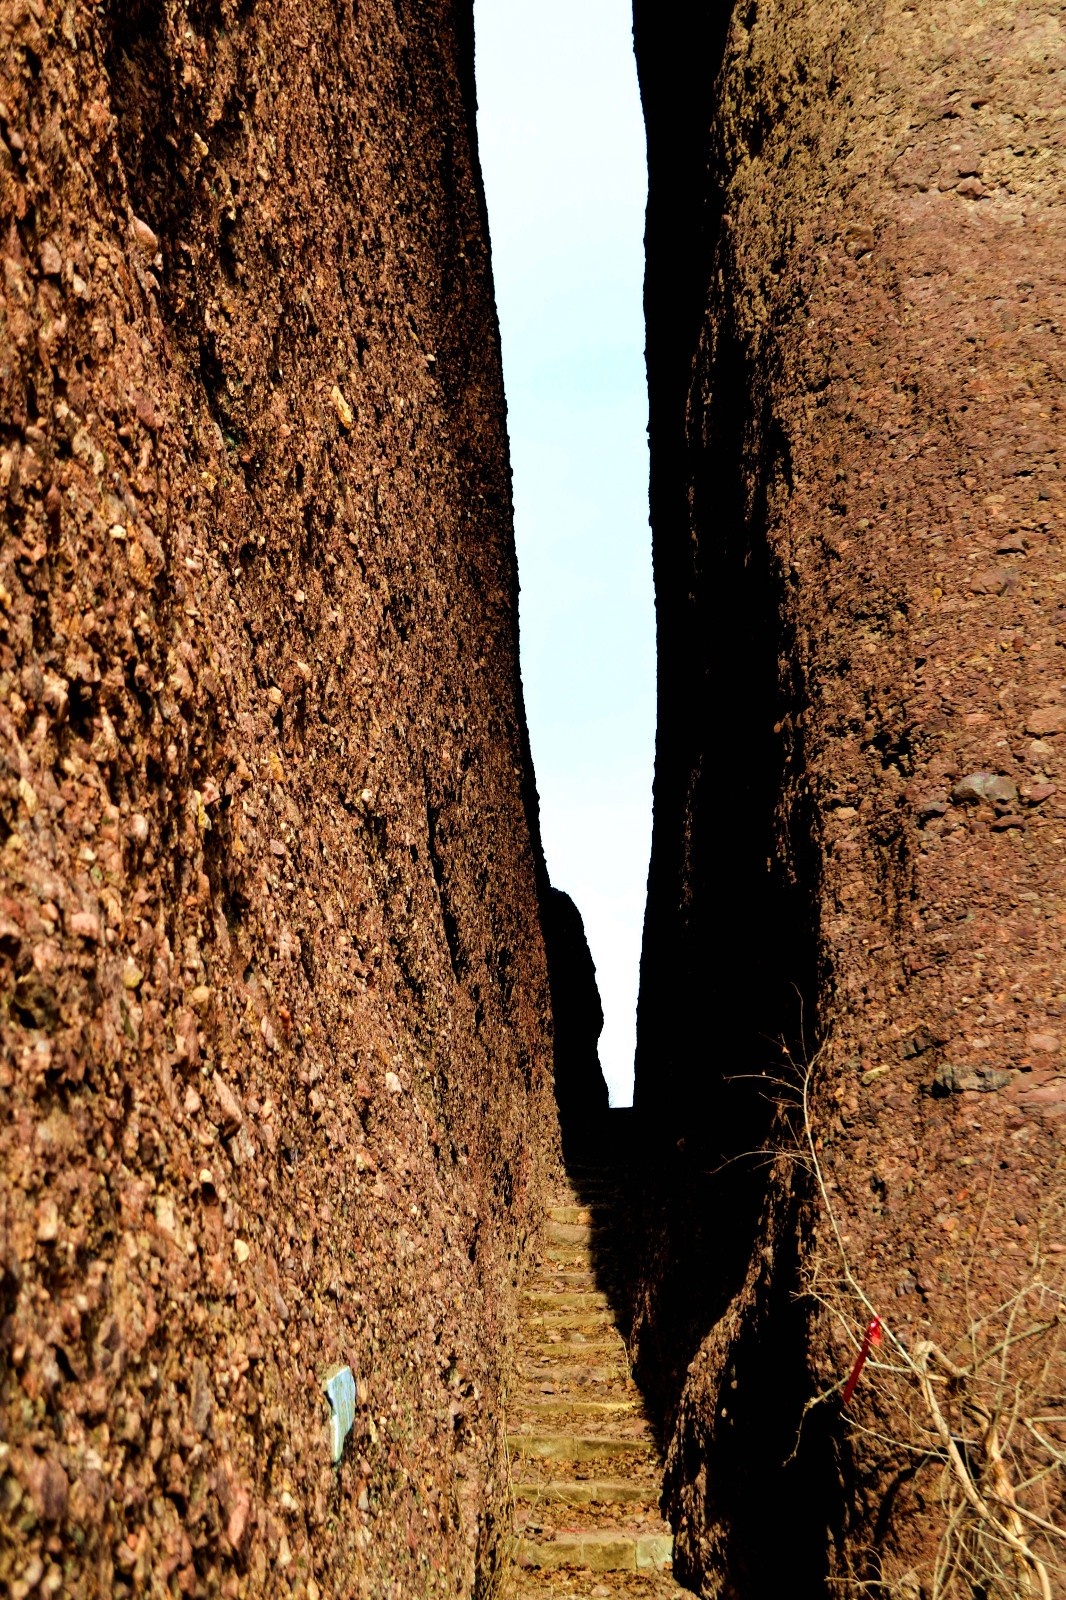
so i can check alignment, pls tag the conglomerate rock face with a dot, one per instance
(276, 1067)
(856, 301)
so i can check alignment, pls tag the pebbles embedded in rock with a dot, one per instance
(51, 260)
(990, 786)
(230, 1115)
(997, 580)
(958, 1080)
(342, 408)
(1046, 721)
(971, 188)
(47, 1222)
(50, 1488)
(146, 239)
(1009, 819)
(85, 925)
(137, 830)
(167, 1219)
(921, 1040)
(859, 239)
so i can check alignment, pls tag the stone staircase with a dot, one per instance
(585, 1468)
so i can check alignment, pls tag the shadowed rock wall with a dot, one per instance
(855, 296)
(580, 1088)
(276, 1072)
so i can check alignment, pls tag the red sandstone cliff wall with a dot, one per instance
(275, 1073)
(855, 301)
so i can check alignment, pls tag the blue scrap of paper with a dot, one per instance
(340, 1391)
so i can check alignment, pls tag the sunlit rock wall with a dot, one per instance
(276, 1072)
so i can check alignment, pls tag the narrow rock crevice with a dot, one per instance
(728, 970)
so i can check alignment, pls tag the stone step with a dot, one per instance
(601, 1313)
(537, 1583)
(540, 1405)
(575, 1447)
(590, 1187)
(615, 1398)
(576, 1376)
(570, 1214)
(566, 1300)
(548, 1333)
(564, 1276)
(578, 1283)
(556, 1258)
(545, 1349)
(545, 1333)
(543, 1357)
(555, 1283)
(582, 1178)
(593, 1197)
(551, 1272)
(575, 1409)
(556, 1280)
(568, 1232)
(559, 1343)
(580, 1175)
(597, 1552)
(589, 1492)
(540, 1328)
(566, 1258)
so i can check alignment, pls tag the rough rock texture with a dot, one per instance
(856, 296)
(276, 1070)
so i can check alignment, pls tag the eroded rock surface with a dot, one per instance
(276, 1071)
(856, 296)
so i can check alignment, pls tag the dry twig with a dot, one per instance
(995, 1541)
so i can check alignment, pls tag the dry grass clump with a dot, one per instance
(977, 1417)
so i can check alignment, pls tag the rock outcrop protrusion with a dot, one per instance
(580, 1087)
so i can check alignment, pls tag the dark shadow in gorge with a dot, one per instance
(728, 980)
(678, 1188)
(580, 1089)
(729, 963)
(728, 969)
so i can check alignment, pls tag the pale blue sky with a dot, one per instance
(562, 149)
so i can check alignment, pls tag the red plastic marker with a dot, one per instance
(871, 1337)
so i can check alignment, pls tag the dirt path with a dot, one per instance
(587, 1472)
